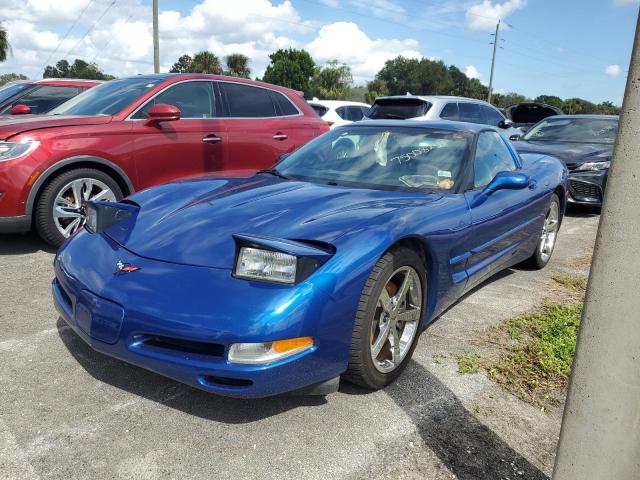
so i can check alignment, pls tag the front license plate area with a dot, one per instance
(99, 318)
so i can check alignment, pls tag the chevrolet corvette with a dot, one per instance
(327, 266)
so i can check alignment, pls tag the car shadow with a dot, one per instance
(582, 211)
(468, 448)
(173, 394)
(22, 244)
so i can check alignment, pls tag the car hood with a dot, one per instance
(193, 222)
(11, 125)
(570, 153)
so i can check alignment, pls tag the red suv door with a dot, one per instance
(261, 124)
(190, 146)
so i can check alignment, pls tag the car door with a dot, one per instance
(501, 220)
(469, 112)
(262, 124)
(187, 147)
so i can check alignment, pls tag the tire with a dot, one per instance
(369, 323)
(544, 250)
(90, 181)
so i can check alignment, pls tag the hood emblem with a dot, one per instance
(123, 268)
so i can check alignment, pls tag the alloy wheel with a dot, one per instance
(549, 231)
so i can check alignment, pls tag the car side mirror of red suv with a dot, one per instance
(163, 113)
(20, 109)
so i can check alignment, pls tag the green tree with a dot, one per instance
(11, 77)
(574, 106)
(183, 65)
(417, 76)
(332, 82)
(78, 69)
(607, 108)
(291, 68)
(5, 47)
(549, 100)
(508, 99)
(357, 94)
(237, 65)
(206, 62)
(375, 88)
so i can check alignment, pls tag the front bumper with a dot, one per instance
(587, 188)
(184, 331)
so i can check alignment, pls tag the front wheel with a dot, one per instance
(548, 236)
(388, 320)
(60, 208)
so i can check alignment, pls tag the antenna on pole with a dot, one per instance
(156, 39)
(493, 59)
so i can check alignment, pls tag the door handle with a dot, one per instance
(280, 136)
(213, 138)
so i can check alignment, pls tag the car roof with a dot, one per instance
(583, 115)
(68, 82)
(336, 103)
(440, 124)
(432, 98)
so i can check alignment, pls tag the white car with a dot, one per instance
(338, 112)
(440, 107)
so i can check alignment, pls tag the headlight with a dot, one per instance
(267, 352)
(13, 150)
(594, 166)
(101, 215)
(259, 264)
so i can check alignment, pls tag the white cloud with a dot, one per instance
(381, 8)
(471, 72)
(364, 55)
(485, 15)
(613, 70)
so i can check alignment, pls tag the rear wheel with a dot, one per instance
(387, 323)
(60, 209)
(548, 237)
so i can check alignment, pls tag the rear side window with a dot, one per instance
(45, 98)
(355, 113)
(450, 112)
(194, 99)
(469, 112)
(492, 156)
(343, 113)
(398, 108)
(492, 117)
(245, 101)
(283, 104)
(320, 110)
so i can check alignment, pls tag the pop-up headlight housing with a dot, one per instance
(99, 216)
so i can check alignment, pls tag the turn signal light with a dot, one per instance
(282, 346)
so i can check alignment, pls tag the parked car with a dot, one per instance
(440, 107)
(526, 114)
(584, 143)
(338, 112)
(40, 96)
(130, 134)
(324, 266)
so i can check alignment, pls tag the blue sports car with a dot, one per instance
(329, 265)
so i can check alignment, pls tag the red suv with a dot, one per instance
(132, 133)
(40, 96)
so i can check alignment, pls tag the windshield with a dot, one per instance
(9, 91)
(575, 130)
(107, 99)
(398, 108)
(396, 158)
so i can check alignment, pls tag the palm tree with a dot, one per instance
(4, 44)
(206, 62)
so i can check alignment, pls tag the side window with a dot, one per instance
(450, 112)
(364, 111)
(355, 113)
(469, 112)
(492, 116)
(284, 105)
(194, 99)
(343, 113)
(492, 156)
(245, 101)
(46, 98)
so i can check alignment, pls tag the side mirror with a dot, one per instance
(163, 113)
(20, 109)
(515, 138)
(504, 124)
(508, 181)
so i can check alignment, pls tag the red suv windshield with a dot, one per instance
(108, 98)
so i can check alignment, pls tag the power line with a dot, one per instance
(68, 32)
(91, 28)
(111, 38)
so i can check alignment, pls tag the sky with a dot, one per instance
(569, 48)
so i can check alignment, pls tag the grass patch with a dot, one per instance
(537, 366)
(578, 284)
(468, 362)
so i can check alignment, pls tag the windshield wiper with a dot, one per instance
(274, 172)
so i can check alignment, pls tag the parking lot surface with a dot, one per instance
(71, 413)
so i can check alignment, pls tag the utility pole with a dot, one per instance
(600, 436)
(493, 60)
(156, 39)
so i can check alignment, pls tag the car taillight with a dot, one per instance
(325, 127)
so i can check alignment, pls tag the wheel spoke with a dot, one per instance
(76, 188)
(381, 340)
(72, 227)
(409, 315)
(102, 194)
(395, 347)
(385, 301)
(406, 284)
(61, 212)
